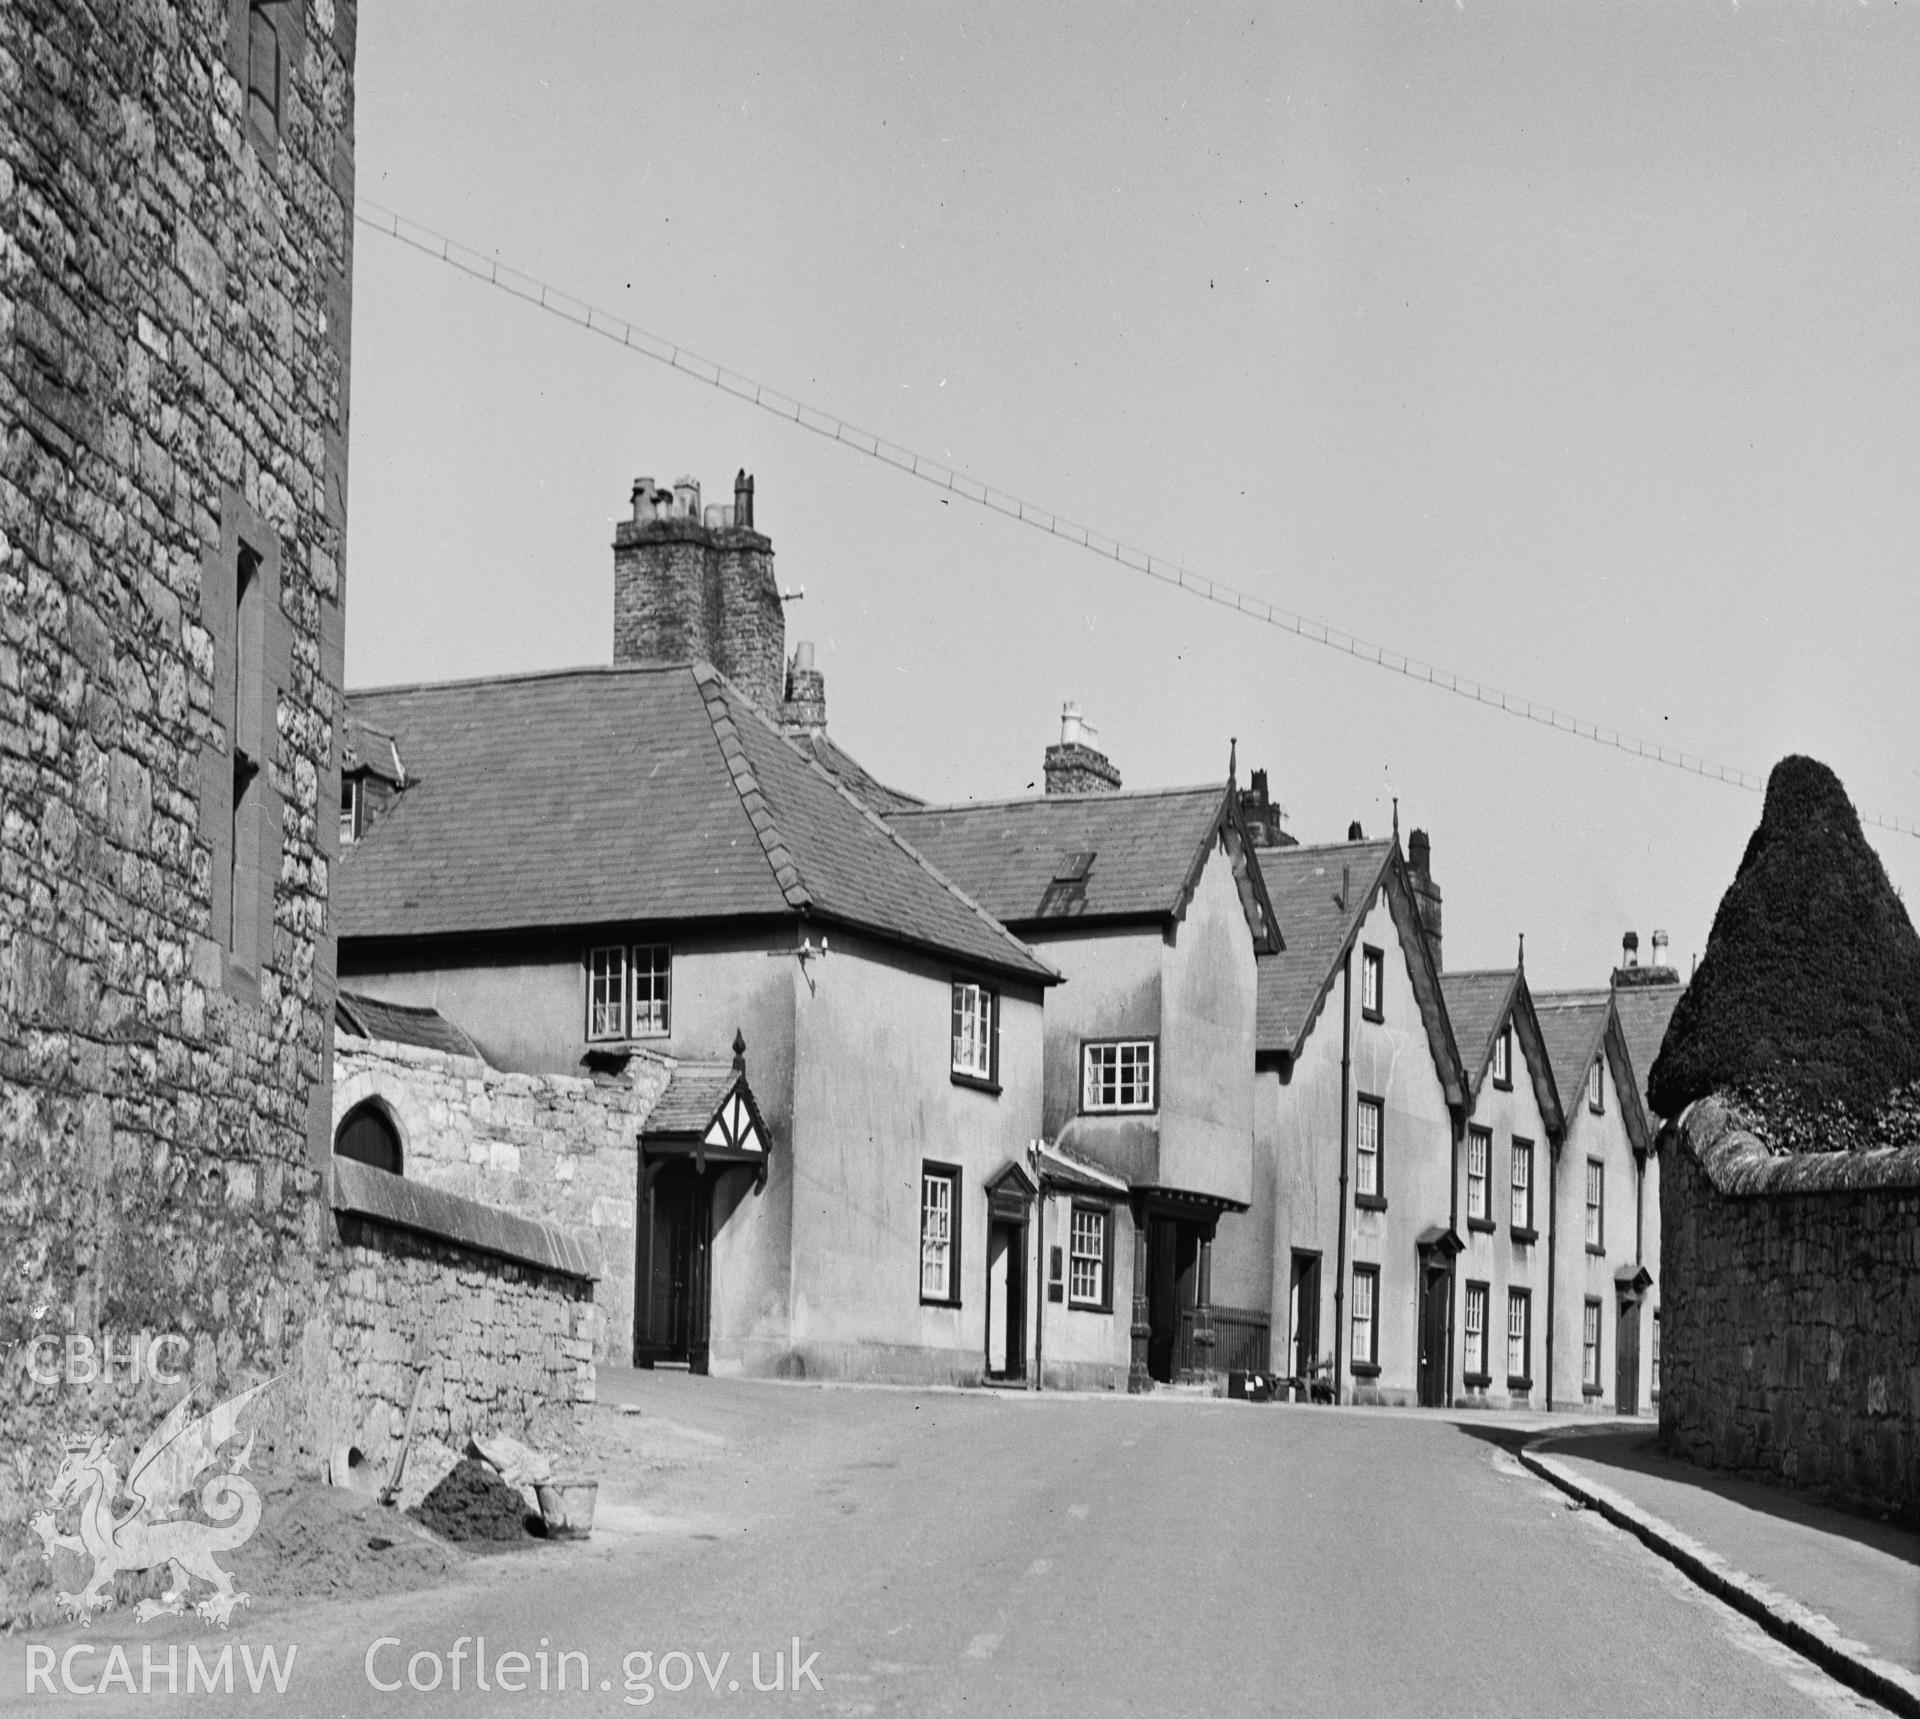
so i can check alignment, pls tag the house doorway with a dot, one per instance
(1435, 1298)
(1626, 1357)
(1303, 1314)
(1173, 1265)
(1006, 1299)
(670, 1276)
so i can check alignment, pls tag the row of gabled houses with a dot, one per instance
(1094, 1088)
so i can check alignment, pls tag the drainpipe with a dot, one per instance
(1346, 1104)
(1459, 1119)
(1553, 1231)
(1040, 1278)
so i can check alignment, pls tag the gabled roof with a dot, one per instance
(1645, 1011)
(1321, 894)
(651, 792)
(1578, 1026)
(369, 751)
(400, 1023)
(1044, 859)
(1480, 1003)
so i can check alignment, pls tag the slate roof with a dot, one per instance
(1573, 1026)
(1026, 861)
(845, 769)
(1644, 1013)
(645, 792)
(1305, 883)
(400, 1023)
(368, 749)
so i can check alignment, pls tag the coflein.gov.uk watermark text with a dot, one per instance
(466, 1667)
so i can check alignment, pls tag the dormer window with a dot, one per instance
(1503, 1058)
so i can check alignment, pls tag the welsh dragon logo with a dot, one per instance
(150, 1534)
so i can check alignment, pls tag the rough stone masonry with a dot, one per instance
(176, 195)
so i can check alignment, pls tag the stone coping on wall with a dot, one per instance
(369, 1192)
(1738, 1162)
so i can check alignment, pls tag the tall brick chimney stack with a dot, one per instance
(1264, 815)
(692, 582)
(1075, 765)
(1426, 893)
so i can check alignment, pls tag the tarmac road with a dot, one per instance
(979, 1552)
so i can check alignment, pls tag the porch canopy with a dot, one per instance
(708, 1115)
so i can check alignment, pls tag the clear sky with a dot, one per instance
(1573, 348)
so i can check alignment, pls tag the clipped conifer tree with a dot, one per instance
(1809, 993)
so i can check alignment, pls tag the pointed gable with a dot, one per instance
(1577, 1027)
(1322, 895)
(1481, 1004)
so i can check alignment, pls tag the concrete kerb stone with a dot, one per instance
(1806, 1632)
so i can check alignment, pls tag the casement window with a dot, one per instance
(1479, 1171)
(1590, 1349)
(1503, 1058)
(976, 1033)
(940, 1234)
(1596, 1206)
(352, 808)
(1373, 979)
(1365, 1350)
(1118, 1076)
(1369, 1153)
(629, 991)
(652, 991)
(1474, 1349)
(1522, 1183)
(1090, 1258)
(1597, 1086)
(1519, 1339)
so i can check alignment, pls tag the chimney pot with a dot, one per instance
(1076, 765)
(642, 500)
(1630, 949)
(1659, 949)
(1355, 833)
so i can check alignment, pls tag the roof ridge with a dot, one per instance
(1096, 796)
(715, 690)
(1479, 972)
(1304, 848)
(522, 677)
(881, 824)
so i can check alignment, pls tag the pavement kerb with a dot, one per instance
(1805, 1631)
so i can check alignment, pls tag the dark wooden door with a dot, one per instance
(1626, 1355)
(1434, 1301)
(1306, 1314)
(670, 1315)
(1173, 1267)
(1013, 1237)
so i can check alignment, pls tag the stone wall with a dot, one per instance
(559, 1148)
(175, 268)
(1790, 1313)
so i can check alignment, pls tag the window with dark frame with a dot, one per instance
(1373, 978)
(1479, 1176)
(368, 1135)
(1590, 1348)
(1503, 1058)
(1521, 1178)
(1364, 1351)
(1474, 1349)
(1118, 1075)
(1596, 1206)
(976, 1033)
(1519, 1339)
(629, 992)
(1369, 1153)
(352, 802)
(940, 1234)
(1090, 1257)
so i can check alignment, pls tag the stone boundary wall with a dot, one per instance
(1790, 1313)
(562, 1148)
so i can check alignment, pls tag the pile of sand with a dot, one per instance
(474, 1506)
(321, 1542)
